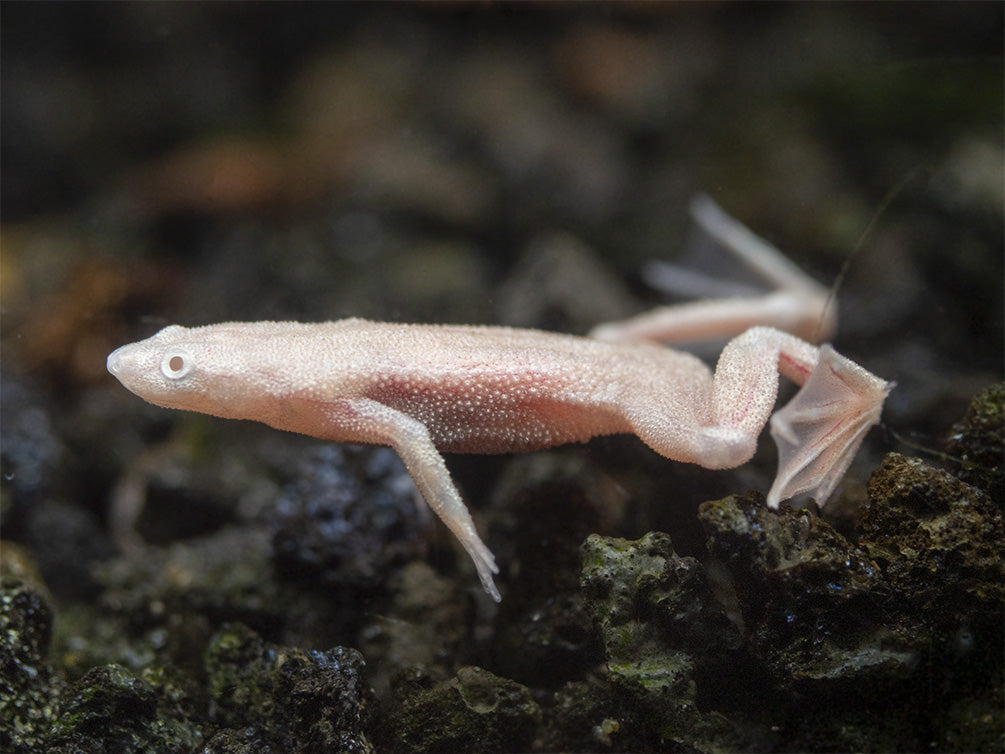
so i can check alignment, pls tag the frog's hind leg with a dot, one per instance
(792, 301)
(818, 433)
(820, 430)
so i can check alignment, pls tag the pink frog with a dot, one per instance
(428, 389)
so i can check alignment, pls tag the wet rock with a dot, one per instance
(596, 715)
(110, 709)
(30, 690)
(18, 565)
(223, 577)
(474, 711)
(977, 441)
(662, 629)
(939, 542)
(844, 629)
(289, 699)
(807, 595)
(588, 715)
(170, 600)
(248, 740)
(655, 612)
(348, 520)
(181, 491)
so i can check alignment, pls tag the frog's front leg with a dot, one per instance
(410, 438)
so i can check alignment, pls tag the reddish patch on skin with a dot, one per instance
(794, 370)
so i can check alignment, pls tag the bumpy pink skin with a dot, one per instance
(423, 389)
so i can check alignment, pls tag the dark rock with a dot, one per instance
(473, 711)
(597, 715)
(843, 629)
(662, 629)
(977, 443)
(806, 594)
(296, 700)
(30, 690)
(939, 542)
(248, 740)
(348, 519)
(110, 709)
(655, 612)
(430, 629)
(224, 577)
(67, 539)
(32, 451)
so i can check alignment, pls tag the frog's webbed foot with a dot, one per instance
(822, 427)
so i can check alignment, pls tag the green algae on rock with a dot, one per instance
(29, 693)
(295, 699)
(938, 540)
(474, 711)
(659, 621)
(110, 709)
(977, 442)
(654, 609)
(843, 628)
(801, 586)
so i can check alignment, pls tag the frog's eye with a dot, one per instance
(177, 364)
